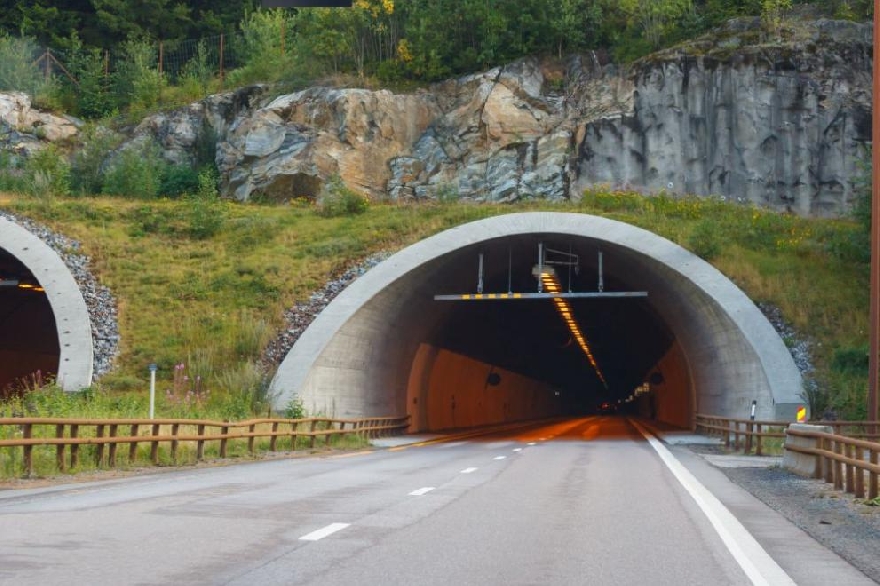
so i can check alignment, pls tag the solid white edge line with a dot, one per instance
(517, 449)
(760, 568)
(500, 457)
(421, 491)
(468, 470)
(322, 533)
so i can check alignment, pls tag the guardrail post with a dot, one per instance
(850, 469)
(727, 435)
(313, 437)
(174, 443)
(27, 460)
(838, 470)
(132, 447)
(154, 445)
(759, 442)
(74, 448)
(251, 429)
(828, 463)
(872, 476)
(200, 445)
(99, 448)
(860, 475)
(59, 449)
(273, 442)
(223, 431)
(111, 456)
(750, 428)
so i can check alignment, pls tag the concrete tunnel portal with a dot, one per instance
(46, 330)
(385, 346)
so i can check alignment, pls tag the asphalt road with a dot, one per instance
(587, 501)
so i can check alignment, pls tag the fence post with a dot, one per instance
(99, 449)
(200, 445)
(273, 442)
(850, 469)
(313, 437)
(828, 463)
(27, 461)
(132, 447)
(727, 434)
(174, 443)
(750, 428)
(251, 429)
(111, 457)
(221, 60)
(872, 477)
(860, 475)
(838, 476)
(59, 449)
(223, 440)
(154, 445)
(758, 443)
(74, 448)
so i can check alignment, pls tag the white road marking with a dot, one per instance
(517, 449)
(322, 533)
(468, 470)
(500, 457)
(421, 491)
(760, 568)
(531, 443)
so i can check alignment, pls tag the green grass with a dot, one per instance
(215, 301)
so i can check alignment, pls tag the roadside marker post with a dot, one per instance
(153, 369)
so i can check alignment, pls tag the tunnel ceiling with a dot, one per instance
(528, 336)
(357, 356)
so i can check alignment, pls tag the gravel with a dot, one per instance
(100, 302)
(837, 520)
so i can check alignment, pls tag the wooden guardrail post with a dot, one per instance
(750, 428)
(59, 449)
(133, 446)
(174, 443)
(154, 445)
(759, 441)
(99, 449)
(111, 456)
(74, 448)
(200, 444)
(27, 460)
(850, 469)
(273, 441)
(251, 429)
(873, 489)
(860, 475)
(224, 431)
(313, 437)
(827, 463)
(838, 476)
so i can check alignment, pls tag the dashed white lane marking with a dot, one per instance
(760, 568)
(421, 491)
(517, 449)
(531, 443)
(468, 470)
(500, 457)
(322, 533)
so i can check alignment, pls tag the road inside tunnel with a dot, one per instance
(29, 348)
(693, 343)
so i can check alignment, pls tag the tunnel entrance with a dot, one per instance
(29, 349)
(696, 343)
(45, 321)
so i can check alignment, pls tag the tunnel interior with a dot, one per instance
(29, 346)
(529, 341)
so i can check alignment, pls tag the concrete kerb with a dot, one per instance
(76, 362)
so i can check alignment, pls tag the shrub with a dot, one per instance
(336, 200)
(87, 166)
(19, 70)
(704, 241)
(47, 173)
(177, 180)
(135, 172)
(137, 82)
(247, 391)
(295, 408)
(205, 213)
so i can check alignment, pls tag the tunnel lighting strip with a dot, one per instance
(527, 296)
(551, 285)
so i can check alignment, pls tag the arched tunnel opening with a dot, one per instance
(694, 343)
(29, 347)
(511, 354)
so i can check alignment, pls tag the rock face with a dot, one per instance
(26, 130)
(782, 124)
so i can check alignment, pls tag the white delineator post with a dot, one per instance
(153, 369)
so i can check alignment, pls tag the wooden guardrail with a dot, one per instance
(843, 461)
(106, 435)
(748, 434)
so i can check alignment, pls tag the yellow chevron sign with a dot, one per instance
(801, 414)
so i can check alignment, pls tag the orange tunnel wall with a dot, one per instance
(672, 397)
(448, 390)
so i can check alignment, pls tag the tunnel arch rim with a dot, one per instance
(777, 365)
(72, 323)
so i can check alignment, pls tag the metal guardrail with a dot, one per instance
(108, 434)
(753, 432)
